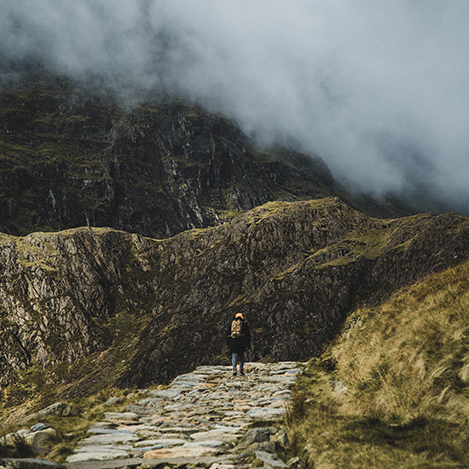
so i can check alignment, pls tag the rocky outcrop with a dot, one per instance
(88, 308)
(74, 157)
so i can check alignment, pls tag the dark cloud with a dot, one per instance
(378, 89)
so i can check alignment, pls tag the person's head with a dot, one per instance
(239, 315)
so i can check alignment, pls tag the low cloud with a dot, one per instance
(378, 89)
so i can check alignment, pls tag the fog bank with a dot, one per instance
(378, 89)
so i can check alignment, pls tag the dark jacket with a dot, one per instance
(240, 344)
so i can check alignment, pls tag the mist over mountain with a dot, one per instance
(378, 91)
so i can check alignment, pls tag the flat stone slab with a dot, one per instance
(266, 413)
(176, 430)
(110, 438)
(104, 430)
(107, 448)
(124, 416)
(227, 434)
(166, 393)
(281, 379)
(98, 454)
(284, 393)
(192, 378)
(181, 452)
(204, 443)
(196, 421)
(166, 442)
(139, 410)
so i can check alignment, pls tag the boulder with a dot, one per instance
(258, 435)
(280, 439)
(59, 409)
(270, 460)
(41, 438)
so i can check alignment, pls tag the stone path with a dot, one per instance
(201, 420)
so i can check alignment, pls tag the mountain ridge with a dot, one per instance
(134, 233)
(74, 156)
(92, 307)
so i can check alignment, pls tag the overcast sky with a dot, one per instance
(379, 89)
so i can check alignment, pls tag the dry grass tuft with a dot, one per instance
(17, 448)
(70, 430)
(392, 391)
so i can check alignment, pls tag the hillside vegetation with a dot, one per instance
(86, 309)
(392, 391)
(133, 230)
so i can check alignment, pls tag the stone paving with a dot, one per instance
(203, 419)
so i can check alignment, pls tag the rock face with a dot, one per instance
(72, 157)
(75, 156)
(88, 308)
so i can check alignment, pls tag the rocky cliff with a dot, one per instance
(91, 307)
(75, 156)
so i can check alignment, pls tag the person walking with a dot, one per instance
(239, 339)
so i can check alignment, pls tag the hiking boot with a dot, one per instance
(234, 373)
(241, 373)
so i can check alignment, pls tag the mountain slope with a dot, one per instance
(73, 156)
(87, 308)
(392, 390)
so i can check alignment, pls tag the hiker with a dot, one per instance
(239, 339)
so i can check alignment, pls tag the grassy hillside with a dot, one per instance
(392, 392)
(85, 309)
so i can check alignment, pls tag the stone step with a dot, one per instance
(201, 419)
